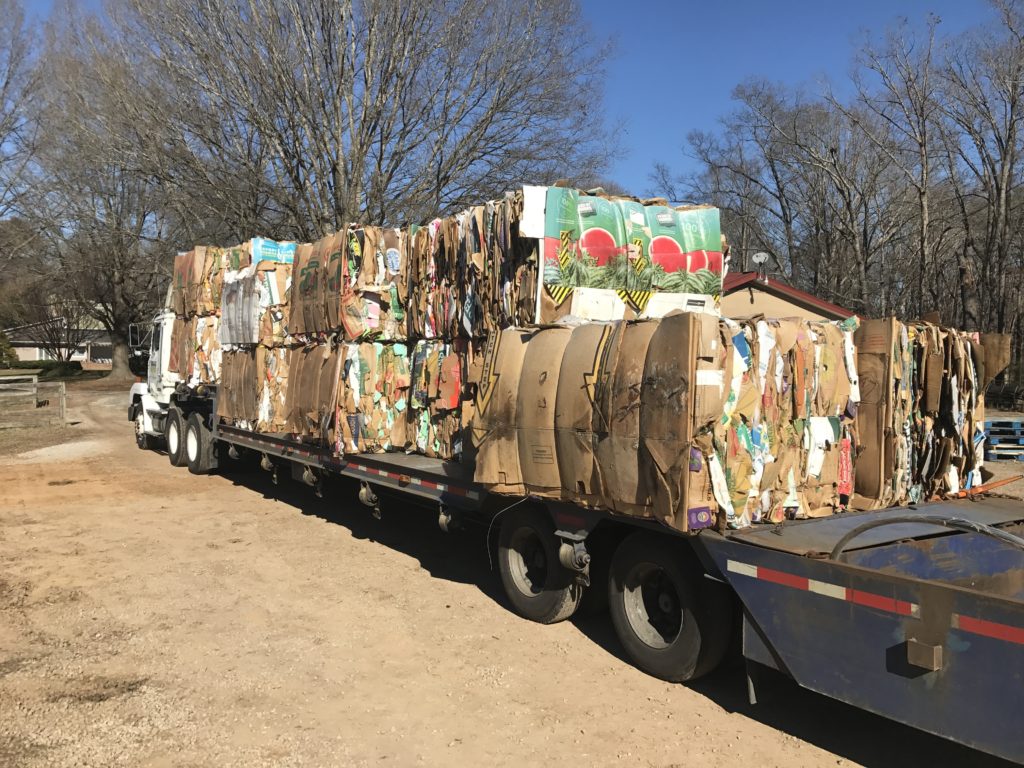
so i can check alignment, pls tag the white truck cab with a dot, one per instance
(149, 400)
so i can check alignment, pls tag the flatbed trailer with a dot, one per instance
(916, 614)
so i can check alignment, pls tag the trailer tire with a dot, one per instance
(539, 587)
(198, 446)
(672, 623)
(175, 433)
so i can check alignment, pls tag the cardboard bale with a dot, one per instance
(921, 419)
(237, 398)
(186, 276)
(436, 397)
(367, 287)
(611, 258)
(494, 427)
(314, 374)
(208, 354)
(272, 389)
(306, 299)
(374, 398)
(240, 308)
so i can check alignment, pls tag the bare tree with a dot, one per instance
(903, 100)
(983, 82)
(54, 318)
(17, 87)
(313, 114)
(106, 225)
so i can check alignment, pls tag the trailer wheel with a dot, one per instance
(539, 587)
(176, 437)
(198, 446)
(672, 623)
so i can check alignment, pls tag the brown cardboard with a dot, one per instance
(666, 418)
(618, 425)
(494, 430)
(997, 353)
(536, 407)
(237, 398)
(578, 377)
(874, 340)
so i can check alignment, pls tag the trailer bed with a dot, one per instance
(913, 621)
(447, 482)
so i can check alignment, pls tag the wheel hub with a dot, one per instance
(528, 563)
(652, 605)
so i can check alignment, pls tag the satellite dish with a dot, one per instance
(759, 258)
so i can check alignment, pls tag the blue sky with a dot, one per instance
(676, 63)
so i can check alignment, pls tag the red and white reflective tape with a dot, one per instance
(859, 597)
(974, 626)
(985, 628)
(410, 480)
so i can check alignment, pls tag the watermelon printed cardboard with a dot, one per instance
(627, 248)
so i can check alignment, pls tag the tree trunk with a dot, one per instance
(969, 296)
(119, 360)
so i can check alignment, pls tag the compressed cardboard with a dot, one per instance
(617, 426)
(494, 432)
(535, 411)
(237, 400)
(578, 375)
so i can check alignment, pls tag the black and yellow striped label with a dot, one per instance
(564, 247)
(640, 263)
(636, 299)
(558, 293)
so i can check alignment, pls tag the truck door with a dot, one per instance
(154, 374)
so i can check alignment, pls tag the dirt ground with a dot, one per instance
(149, 617)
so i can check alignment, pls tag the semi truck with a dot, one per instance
(914, 613)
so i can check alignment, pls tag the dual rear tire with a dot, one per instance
(198, 446)
(189, 442)
(672, 622)
(175, 432)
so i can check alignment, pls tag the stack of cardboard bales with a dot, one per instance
(254, 290)
(677, 418)
(195, 298)
(399, 316)
(921, 416)
(700, 421)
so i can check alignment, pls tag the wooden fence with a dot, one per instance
(24, 402)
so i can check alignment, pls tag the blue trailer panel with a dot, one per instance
(914, 622)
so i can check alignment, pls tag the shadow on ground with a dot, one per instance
(462, 557)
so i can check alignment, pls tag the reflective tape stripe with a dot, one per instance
(824, 588)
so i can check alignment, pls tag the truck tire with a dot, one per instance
(144, 441)
(198, 446)
(539, 587)
(175, 437)
(672, 623)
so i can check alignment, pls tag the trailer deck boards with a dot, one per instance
(816, 537)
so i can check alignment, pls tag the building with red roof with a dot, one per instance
(745, 294)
